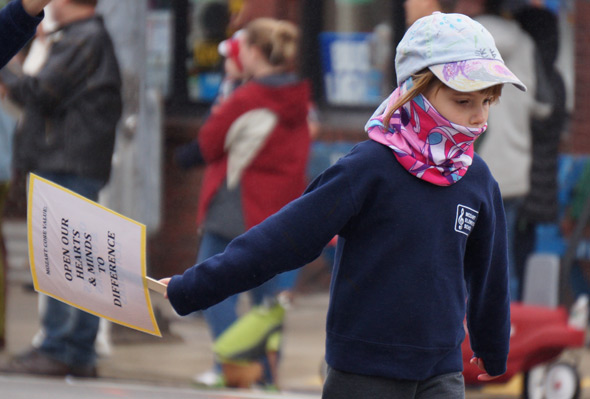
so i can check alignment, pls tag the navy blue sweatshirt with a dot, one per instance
(412, 258)
(16, 29)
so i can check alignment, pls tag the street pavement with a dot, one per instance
(71, 388)
(142, 366)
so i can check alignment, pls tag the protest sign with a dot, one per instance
(88, 256)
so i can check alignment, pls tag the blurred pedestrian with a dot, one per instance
(233, 70)
(507, 144)
(547, 124)
(18, 22)
(189, 155)
(67, 134)
(398, 296)
(29, 59)
(255, 144)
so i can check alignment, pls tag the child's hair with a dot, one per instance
(92, 3)
(447, 5)
(278, 40)
(424, 80)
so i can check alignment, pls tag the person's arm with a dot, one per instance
(486, 276)
(34, 7)
(68, 65)
(291, 238)
(213, 133)
(17, 27)
(189, 155)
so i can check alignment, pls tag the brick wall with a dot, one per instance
(174, 247)
(580, 135)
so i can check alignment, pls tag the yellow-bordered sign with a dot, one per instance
(88, 256)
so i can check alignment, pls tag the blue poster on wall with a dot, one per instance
(350, 76)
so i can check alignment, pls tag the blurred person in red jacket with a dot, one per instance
(255, 145)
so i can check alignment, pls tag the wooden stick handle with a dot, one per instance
(155, 285)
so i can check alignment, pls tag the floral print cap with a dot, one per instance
(457, 49)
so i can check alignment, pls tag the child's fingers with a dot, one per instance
(479, 363)
(165, 281)
(485, 377)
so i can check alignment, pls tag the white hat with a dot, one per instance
(457, 49)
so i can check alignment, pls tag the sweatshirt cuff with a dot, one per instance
(494, 366)
(21, 19)
(177, 297)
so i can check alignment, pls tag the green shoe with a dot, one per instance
(252, 335)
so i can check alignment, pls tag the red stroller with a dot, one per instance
(538, 337)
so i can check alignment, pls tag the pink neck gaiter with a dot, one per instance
(424, 142)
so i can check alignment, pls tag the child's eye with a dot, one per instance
(462, 102)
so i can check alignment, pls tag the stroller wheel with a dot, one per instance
(533, 383)
(554, 381)
(562, 381)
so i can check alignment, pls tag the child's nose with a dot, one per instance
(479, 117)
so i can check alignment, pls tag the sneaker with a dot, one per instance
(35, 362)
(209, 379)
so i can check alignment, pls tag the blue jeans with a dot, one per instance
(219, 317)
(70, 332)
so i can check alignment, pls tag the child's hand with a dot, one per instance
(165, 281)
(479, 363)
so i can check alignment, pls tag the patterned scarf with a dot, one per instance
(425, 143)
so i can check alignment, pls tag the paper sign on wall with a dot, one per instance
(88, 256)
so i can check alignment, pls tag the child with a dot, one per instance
(422, 233)
(233, 69)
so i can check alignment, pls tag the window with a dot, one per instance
(182, 38)
(351, 46)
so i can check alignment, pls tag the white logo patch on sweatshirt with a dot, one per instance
(465, 219)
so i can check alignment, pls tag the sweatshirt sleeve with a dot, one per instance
(285, 241)
(16, 29)
(486, 275)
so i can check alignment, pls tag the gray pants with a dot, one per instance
(340, 385)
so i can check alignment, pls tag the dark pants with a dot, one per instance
(340, 385)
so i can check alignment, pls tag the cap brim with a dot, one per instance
(474, 75)
(223, 48)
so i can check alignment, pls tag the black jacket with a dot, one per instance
(72, 107)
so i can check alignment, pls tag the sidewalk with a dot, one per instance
(185, 347)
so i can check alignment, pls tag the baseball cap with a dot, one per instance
(457, 49)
